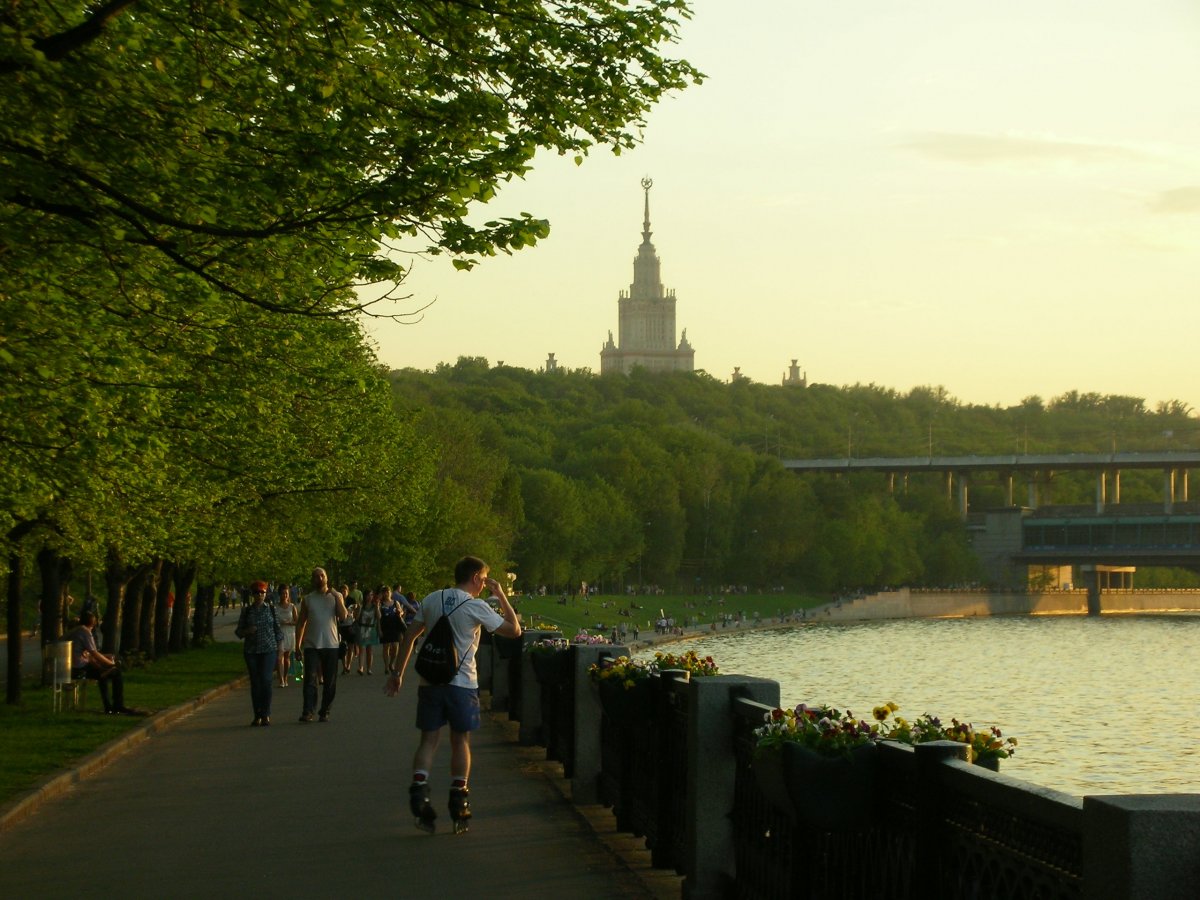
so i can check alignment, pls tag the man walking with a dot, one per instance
(455, 704)
(316, 631)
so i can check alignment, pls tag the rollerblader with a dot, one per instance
(422, 810)
(455, 703)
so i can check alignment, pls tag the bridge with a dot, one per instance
(1038, 470)
(1103, 538)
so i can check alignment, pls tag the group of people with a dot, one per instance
(378, 619)
(395, 621)
(354, 630)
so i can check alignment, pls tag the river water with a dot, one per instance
(1099, 705)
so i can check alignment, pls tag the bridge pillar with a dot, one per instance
(964, 491)
(1116, 486)
(1093, 592)
(1008, 489)
(1168, 490)
(1182, 485)
(1100, 491)
(1033, 493)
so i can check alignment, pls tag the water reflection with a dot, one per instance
(1100, 706)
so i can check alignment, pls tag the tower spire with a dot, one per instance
(647, 183)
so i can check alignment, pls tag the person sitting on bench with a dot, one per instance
(88, 662)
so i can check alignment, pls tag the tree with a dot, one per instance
(280, 154)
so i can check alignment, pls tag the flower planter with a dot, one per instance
(831, 793)
(627, 705)
(768, 773)
(506, 647)
(550, 666)
(991, 763)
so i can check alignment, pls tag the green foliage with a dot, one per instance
(675, 479)
(280, 153)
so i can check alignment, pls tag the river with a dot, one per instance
(1098, 705)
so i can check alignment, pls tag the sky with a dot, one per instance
(999, 199)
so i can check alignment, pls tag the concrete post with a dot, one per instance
(1008, 489)
(708, 843)
(1100, 497)
(484, 658)
(930, 842)
(1033, 492)
(501, 678)
(1168, 490)
(1141, 846)
(584, 788)
(964, 493)
(1116, 486)
(529, 703)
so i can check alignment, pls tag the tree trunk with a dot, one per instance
(47, 563)
(163, 612)
(13, 692)
(132, 615)
(202, 618)
(147, 614)
(116, 580)
(184, 577)
(55, 571)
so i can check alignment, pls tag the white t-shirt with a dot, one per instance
(321, 631)
(469, 614)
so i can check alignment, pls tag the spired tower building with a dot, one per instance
(646, 317)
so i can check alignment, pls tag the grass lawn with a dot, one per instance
(36, 742)
(604, 610)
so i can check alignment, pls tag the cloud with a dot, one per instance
(986, 149)
(1178, 200)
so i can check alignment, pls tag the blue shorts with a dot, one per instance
(444, 704)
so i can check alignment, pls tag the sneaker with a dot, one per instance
(266, 720)
(306, 717)
(256, 723)
(324, 717)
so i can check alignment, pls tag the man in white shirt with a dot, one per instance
(455, 704)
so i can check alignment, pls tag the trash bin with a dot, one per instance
(62, 662)
(59, 654)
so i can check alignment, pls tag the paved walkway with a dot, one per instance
(211, 807)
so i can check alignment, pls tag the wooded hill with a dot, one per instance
(676, 479)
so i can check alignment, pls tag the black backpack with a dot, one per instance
(437, 660)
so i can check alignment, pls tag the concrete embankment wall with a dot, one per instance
(909, 604)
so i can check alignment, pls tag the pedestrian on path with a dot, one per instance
(287, 614)
(455, 704)
(320, 613)
(258, 627)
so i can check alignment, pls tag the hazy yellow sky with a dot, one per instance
(1000, 198)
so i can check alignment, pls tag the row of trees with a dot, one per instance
(677, 479)
(197, 202)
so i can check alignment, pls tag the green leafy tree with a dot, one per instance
(277, 153)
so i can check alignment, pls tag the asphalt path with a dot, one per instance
(211, 807)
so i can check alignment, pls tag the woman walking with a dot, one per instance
(368, 632)
(258, 627)
(391, 626)
(287, 615)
